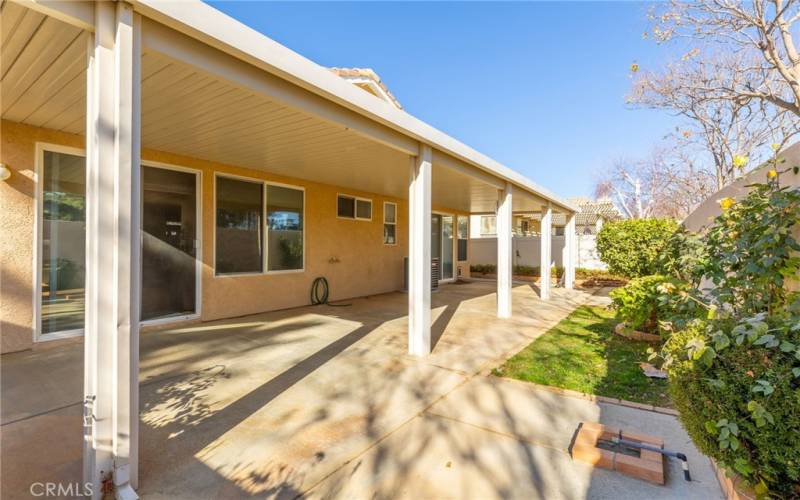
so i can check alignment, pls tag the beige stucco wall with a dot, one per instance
(365, 265)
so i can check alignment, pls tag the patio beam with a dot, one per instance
(546, 251)
(168, 42)
(569, 252)
(504, 251)
(78, 13)
(419, 253)
(456, 165)
(111, 343)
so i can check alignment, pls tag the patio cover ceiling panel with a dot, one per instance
(43, 67)
(188, 112)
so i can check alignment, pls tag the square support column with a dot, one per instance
(570, 255)
(111, 343)
(419, 253)
(546, 251)
(504, 251)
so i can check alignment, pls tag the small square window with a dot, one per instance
(389, 213)
(363, 209)
(346, 207)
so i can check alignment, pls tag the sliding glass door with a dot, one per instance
(447, 247)
(169, 243)
(442, 244)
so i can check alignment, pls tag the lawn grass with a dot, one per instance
(582, 353)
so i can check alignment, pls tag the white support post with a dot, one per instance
(546, 251)
(111, 343)
(419, 253)
(504, 251)
(570, 253)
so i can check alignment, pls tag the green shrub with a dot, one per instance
(655, 304)
(631, 248)
(583, 273)
(483, 268)
(526, 270)
(558, 272)
(735, 376)
(683, 256)
(751, 251)
(739, 400)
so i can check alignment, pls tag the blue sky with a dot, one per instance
(538, 86)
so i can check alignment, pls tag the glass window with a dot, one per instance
(239, 245)
(350, 207)
(363, 209)
(346, 207)
(169, 243)
(389, 223)
(285, 223)
(463, 237)
(488, 224)
(63, 242)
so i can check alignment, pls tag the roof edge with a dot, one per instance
(215, 28)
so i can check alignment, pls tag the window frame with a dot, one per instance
(480, 229)
(385, 203)
(38, 242)
(264, 227)
(198, 300)
(459, 238)
(251, 180)
(355, 207)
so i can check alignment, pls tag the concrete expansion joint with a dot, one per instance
(516, 437)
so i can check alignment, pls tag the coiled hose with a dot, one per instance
(319, 293)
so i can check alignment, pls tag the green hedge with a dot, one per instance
(735, 375)
(741, 404)
(631, 248)
(558, 272)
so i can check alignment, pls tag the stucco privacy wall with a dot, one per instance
(526, 251)
(362, 264)
(706, 212)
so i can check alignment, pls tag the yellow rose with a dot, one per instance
(726, 203)
(665, 288)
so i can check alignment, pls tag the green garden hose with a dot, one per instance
(319, 293)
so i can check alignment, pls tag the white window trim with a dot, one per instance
(466, 237)
(198, 300)
(38, 241)
(264, 228)
(263, 225)
(355, 207)
(455, 245)
(390, 223)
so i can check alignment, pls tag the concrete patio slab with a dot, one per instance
(276, 404)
